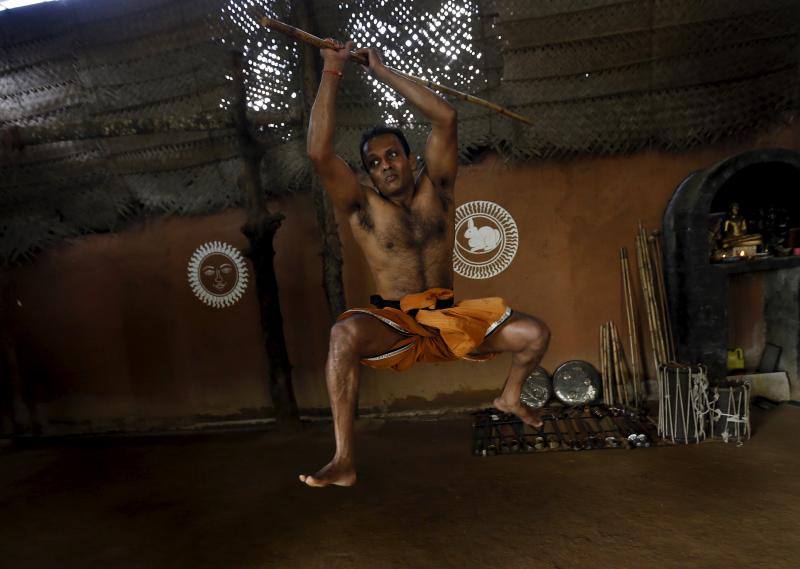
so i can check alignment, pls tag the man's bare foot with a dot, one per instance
(335, 473)
(525, 413)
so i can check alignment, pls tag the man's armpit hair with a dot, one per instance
(364, 218)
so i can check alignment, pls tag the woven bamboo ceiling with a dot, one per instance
(596, 76)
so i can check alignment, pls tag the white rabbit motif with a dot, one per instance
(481, 239)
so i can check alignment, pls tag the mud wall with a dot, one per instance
(108, 333)
(746, 322)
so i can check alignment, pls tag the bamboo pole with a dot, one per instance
(613, 364)
(660, 304)
(609, 368)
(658, 255)
(651, 283)
(617, 368)
(607, 395)
(613, 393)
(305, 37)
(615, 347)
(623, 257)
(601, 345)
(630, 315)
(612, 375)
(651, 289)
(641, 261)
(602, 365)
(626, 375)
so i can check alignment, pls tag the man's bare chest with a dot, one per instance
(391, 228)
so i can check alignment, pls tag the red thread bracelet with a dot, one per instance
(333, 72)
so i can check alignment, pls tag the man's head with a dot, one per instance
(387, 159)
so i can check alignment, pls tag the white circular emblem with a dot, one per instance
(486, 240)
(217, 274)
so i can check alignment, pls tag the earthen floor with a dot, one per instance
(232, 500)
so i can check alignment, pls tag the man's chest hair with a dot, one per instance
(398, 227)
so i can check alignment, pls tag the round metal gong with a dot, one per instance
(576, 382)
(537, 390)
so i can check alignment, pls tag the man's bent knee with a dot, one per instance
(362, 336)
(345, 335)
(540, 333)
(534, 335)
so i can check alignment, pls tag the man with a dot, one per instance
(405, 227)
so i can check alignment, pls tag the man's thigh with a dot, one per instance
(514, 335)
(370, 336)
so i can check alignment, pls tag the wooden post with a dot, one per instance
(332, 280)
(260, 229)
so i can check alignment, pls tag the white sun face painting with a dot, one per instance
(217, 274)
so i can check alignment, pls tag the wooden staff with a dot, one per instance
(604, 365)
(612, 331)
(626, 376)
(651, 298)
(613, 393)
(302, 36)
(609, 368)
(619, 359)
(641, 253)
(655, 276)
(630, 314)
(656, 306)
(658, 256)
(612, 379)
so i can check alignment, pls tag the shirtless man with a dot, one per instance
(405, 228)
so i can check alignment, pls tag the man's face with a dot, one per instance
(390, 169)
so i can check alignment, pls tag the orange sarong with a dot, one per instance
(432, 335)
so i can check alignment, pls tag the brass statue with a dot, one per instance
(734, 230)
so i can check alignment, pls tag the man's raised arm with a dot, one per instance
(335, 175)
(441, 151)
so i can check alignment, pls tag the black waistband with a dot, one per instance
(378, 301)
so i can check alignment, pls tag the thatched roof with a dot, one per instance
(596, 76)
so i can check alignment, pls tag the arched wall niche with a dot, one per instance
(696, 287)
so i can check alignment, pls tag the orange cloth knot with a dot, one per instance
(425, 300)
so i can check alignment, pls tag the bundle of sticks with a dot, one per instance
(622, 384)
(619, 387)
(651, 278)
